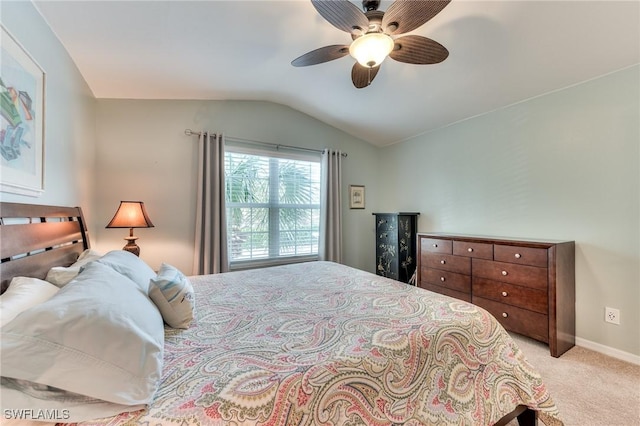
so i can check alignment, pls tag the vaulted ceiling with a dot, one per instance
(501, 52)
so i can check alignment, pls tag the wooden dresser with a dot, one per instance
(528, 285)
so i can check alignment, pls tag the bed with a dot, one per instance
(307, 344)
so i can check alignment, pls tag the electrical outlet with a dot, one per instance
(612, 315)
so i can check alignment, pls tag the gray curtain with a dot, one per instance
(331, 207)
(210, 251)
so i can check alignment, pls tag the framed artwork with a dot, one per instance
(356, 196)
(22, 89)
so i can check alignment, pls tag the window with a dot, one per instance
(273, 206)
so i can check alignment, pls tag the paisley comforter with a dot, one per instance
(320, 343)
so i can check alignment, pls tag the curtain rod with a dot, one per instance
(277, 146)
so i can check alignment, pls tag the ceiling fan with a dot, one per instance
(373, 34)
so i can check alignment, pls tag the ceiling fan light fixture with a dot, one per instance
(371, 49)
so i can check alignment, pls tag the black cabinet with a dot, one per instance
(396, 245)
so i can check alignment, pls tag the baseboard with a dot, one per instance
(607, 350)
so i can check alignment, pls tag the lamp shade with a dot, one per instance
(371, 49)
(130, 214)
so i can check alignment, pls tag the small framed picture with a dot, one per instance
(356, 196)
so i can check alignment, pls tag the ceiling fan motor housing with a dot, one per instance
(368, 5)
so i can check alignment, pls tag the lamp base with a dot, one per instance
(131, 246)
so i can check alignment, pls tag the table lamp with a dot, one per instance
(131, 214)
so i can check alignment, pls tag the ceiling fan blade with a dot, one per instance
(363, 76)
(323, 54)
(342, 14)
(414, 49)
(407, 15)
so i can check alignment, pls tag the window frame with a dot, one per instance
(240, 148)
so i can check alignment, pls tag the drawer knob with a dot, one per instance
(435, 245)
(518, 255)
(504, 293)
(470, 249)
(505, 273)
(442, 262)
(504, 315)
(442, 279)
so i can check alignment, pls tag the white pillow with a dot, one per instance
(71, 407)
(131, 266)
(100, 337)
(173, 294)
(60, 275)
(22, 294)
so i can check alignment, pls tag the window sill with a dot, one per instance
(264, 263)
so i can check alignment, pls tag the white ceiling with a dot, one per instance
(501, 52)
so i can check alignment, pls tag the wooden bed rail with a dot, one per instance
(34, 238)
(525, 416)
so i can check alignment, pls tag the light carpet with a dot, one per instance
(589, 388)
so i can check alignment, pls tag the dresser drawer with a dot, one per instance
(521, 321)
(521, 255)
(529, 276)
(447, 262)
(435, 245)
(446, 291)
(510, 294)
(479, 250)
(446, 279)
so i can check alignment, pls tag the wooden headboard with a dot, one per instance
(34, 238)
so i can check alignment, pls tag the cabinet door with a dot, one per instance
(407, 261)
(387, 245)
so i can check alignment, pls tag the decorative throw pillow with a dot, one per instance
(173, 294)
(61, 276)
(23, 293)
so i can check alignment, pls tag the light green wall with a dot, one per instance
(143, 154)
(560, 166)
(69, 112)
